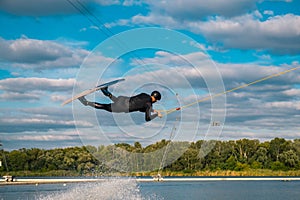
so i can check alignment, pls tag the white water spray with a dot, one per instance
(109, 189)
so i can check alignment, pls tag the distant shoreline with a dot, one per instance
(208, 173)
(37, 181)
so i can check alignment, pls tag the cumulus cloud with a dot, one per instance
(48, 112)
(22, 85)
(40, 120)
(33, 89)
(40, 54)
(45, 137)
(191, 10)
(54, 7)
(269, 12)
(36, 7)
(285, 105)
(50, 139)
(226, 24)
(233, 74)
(293, 92)
(278, 34)
(16, 96)
(58, 98)
(26, 50)
(33, 124)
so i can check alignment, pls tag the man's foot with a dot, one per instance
(83, 100)
(106, 92)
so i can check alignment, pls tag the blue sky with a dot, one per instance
(186, 49)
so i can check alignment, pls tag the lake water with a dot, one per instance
(130, 189)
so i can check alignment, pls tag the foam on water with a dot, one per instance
(109, 189)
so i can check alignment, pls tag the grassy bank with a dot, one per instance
(62, 173)
(49, 173)
(261, 172)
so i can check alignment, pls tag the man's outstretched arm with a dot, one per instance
(149, 116)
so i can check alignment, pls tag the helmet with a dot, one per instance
(156, 95)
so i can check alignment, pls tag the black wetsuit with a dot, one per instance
(141, 102)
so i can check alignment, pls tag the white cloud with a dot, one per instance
(269, 12)
(132, 2)
(292, 92)
(118, 2)
(284, 104)
(45, 137)
(40, 54)
(58, 98)
(278, 34)
(56, 7)
(22, 85)
(174, 67)
(38, 121)
(41, 139)
(37, 7)
(177, 13)
(107, 2)
(31, 51)
(191, 10)
(152, 19)
(16, 96)
(246, 73)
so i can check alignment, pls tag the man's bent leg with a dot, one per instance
(96, 105)
(83, 100)
(108, 94)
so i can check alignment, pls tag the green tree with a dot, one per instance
(256, 165)
(138, 147)
(230, 163)
(261, 156)
(289, 158)
(277, 165)
(16, 160)
(277, 146)
(246, 149)
(241, 166)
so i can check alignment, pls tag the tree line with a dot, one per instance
(174, 156)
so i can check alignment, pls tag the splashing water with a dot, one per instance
(108, 189)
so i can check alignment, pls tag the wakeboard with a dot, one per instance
(89, 91)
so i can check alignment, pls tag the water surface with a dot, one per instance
(132, 190)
